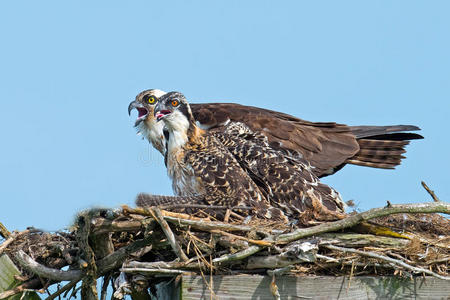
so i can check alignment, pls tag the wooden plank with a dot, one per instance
(319, 287)
(7, 281)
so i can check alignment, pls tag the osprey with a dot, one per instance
(237, 167)
(326, 146)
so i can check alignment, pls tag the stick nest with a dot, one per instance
(137, 248)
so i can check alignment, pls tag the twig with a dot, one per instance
(238, 255)
(5, 233)
(104, 289)
(209, 225)
(436, 207)
(159, 271)
(352, 269)
(438, 261)
(65, 288)
(197, 223)
(102, 225)
(104, 265)
(168, 232)
(238, 237)
(432, 194)
(12, 238)
(116, 259)
(388, 259)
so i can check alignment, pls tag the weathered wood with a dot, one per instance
(7, 281)
(102, 244)
(362, 240)
(320, 287)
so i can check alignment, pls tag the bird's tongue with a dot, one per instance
(162, 113)
(141, 112)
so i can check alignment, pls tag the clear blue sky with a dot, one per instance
(68, 70)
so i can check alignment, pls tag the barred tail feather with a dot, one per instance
(146, 200)
(382, 146)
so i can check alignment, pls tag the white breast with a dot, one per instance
(184, 181)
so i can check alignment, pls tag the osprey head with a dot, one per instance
(145, 103)
(174, 110)
(146, 124)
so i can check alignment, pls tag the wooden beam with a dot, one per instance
(315, 287)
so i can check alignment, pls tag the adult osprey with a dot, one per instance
(326, 146)
(237, 167)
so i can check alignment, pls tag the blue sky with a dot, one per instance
(68, 70)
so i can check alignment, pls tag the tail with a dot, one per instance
(146, 200)
(382, 146)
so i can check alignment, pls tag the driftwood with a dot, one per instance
(137, 248)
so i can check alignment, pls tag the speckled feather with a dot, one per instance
(292, 186)
(204, 171)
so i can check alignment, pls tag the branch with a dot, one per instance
(187, 220)
(104, 265)
(5, 233)
(11, 239)
(292, 254)
(238, 237)
(89, 283)
(42, 271)
(238, 255)
(388, 259)
(432, 194)
(102, 225)
(436, 207)
(159, 271)
(168, 232)
(65, 288)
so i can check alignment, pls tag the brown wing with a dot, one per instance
(224, 181)
(292, 185)
(325, 145)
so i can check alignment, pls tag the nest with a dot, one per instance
(138, 248)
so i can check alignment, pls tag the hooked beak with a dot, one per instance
(142, 111)
(161, 111)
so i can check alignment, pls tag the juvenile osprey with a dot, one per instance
(237, 167)
(326, 146)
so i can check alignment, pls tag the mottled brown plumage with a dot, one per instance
(237, 167)
(288, 182)
(203, 171)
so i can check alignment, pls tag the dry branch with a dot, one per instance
(432, 194)
(4, 232)
(389, 260)
(64, 289)
(156, 213)
(437, 207)
(42, 271)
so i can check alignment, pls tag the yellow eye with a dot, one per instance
(174, 103)
(151, 99)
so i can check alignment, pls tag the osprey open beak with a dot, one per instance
(142, 111)
(161, 111)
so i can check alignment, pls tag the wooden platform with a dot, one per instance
(292, 287)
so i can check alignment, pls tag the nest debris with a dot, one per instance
(137, 248)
